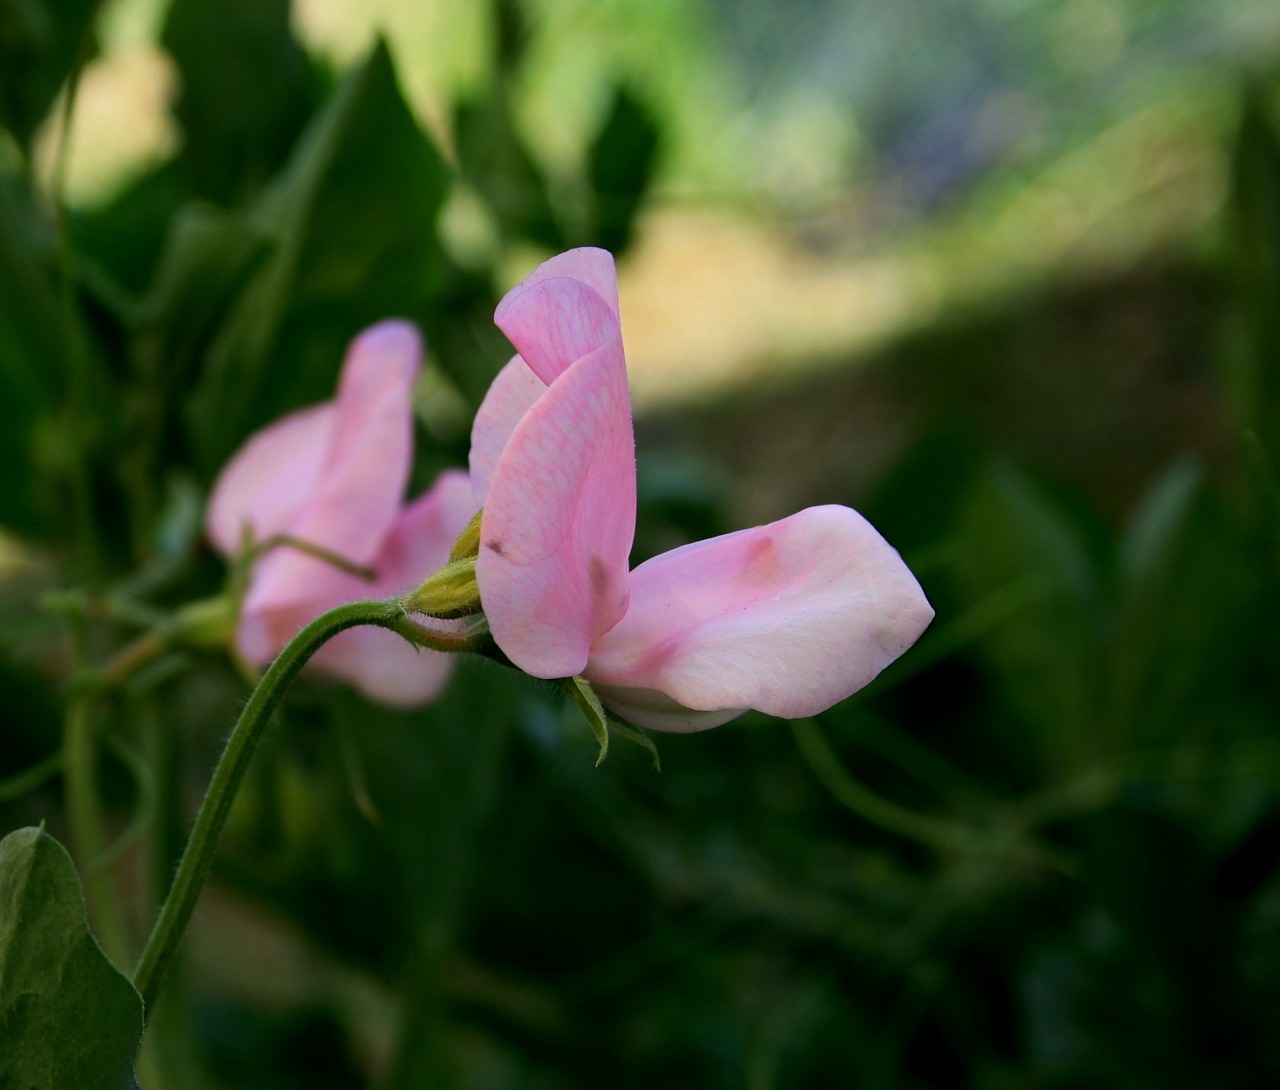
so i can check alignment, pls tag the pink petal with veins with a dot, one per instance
(589, 264)
(787, 618)
(559, 519)
(554, 318)
(510, 396)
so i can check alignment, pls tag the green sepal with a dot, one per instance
(639, 737)
(450, 592)
(592, 711)
(584, 696)
(68, 1017)
(467, 547)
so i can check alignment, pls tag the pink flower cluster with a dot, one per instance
(333, 476)
(786, 618)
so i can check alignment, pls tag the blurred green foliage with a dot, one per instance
(1042, 851)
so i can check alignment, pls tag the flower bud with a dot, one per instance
(450, 592)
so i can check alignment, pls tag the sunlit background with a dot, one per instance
(830, 172)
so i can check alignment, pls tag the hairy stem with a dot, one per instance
(198, 855)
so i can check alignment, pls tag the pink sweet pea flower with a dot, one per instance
(787, 618)
(333, 476)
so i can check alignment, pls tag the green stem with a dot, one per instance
(84, 812)
(898, 819)
(17, 785)
(198, 855)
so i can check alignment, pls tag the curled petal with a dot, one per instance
(554, 318)
(510, 396)
(589, 264)
(559, 519)
(787, 618)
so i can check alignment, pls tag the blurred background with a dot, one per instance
(1002, 274)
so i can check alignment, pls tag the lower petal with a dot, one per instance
(787, 618)
(653, 710)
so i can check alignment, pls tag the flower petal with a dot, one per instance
(590, 264)
(559, 519)
(353, 500)
(380, 664)
(269, 479)
(555, 317)
(787, 618)
(510, 396)
(653, 710)
(367, 463)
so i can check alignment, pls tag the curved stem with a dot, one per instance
(198, 855)
(898, 819)
(30, 778)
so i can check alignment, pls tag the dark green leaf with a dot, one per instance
(1192, 615)
(247, 90)
(40, 41)
(352, 222)
(1254, 223)
(68, 1017)
(1016, 543)
(207, 258)
(495, 161)
(32, 354)
(622, 161)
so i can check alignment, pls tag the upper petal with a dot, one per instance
(590, 264)
(269, 479)
(361, 484)
(559, 519)
(510, 396)
(787, 618)
(566, 309)
(354, 498)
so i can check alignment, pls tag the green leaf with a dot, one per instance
(352, 220)
(1014, 543)
(639, 737)
(622, 161)
(39, 44)
(494, 160)
(592, 711)
(1192, 598)
(1253, 222)
(32, 354)
(207, 260)
(68, 1017)
(247, 91)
